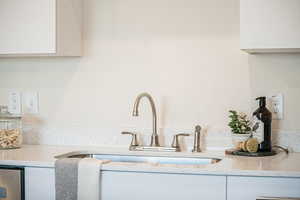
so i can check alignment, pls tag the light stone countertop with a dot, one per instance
(281, 165)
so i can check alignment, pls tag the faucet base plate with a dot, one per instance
(156, 149)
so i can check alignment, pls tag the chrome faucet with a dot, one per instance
(154, 137)
(154, 144)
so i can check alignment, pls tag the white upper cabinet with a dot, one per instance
(40, 28)
(270, 25)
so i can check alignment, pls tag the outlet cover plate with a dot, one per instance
(31, 102)
(276, 105)
(14, 102)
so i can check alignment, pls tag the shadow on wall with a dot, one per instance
(51, 77)
(32, 126)
(278, 73)
(45, 72)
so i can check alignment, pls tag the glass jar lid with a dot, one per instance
(4, 114)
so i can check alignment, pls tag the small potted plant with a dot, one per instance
(240, 127)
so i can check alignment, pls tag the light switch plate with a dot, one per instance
(31, 102)
(14, 102)
(276, 106)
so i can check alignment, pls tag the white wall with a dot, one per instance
(279, 73)
(185, 53)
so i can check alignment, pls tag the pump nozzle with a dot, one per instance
(262, 101)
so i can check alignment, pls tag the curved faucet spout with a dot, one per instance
(154, 137)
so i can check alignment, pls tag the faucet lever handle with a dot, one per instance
(175, 142)
(134, 141)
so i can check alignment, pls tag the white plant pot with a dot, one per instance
(238, 138)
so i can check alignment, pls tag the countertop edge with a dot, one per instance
(163, 170)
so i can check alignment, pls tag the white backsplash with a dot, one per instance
(77, 135)
(288, 139)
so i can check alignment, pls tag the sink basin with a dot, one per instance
(147, 159)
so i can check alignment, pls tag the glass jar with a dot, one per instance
(10, 130)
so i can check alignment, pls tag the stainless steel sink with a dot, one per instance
(147, 159)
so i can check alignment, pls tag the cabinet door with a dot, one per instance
(39, 183)
(270, 25)
(27, 27)
(149, 186)
(249, 188)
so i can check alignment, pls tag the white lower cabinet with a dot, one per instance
(39, 183)
(119, 185)
(149, 186)
(249, 188)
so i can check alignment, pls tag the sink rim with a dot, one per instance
(213, 160)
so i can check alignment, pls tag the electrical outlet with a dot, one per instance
(276, 106)
(14, 102)
(31, 102)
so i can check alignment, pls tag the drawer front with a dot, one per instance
(251, 188)
(149, 186)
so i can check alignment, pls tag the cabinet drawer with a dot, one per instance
(149, 186)
(249, 188)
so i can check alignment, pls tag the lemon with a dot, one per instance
(244, 146)
(251, 145)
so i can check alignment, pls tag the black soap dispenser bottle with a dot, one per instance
(264, 117)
